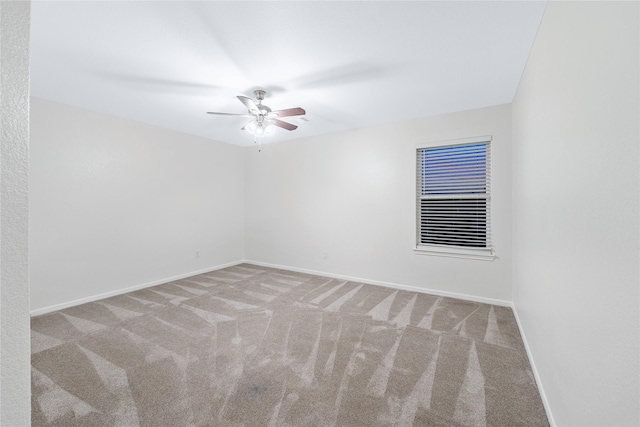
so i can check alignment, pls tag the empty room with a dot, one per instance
(320, 213)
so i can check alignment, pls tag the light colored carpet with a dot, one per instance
(254, 346)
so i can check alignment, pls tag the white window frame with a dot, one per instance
(487, 253)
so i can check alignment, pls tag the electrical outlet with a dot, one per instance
(197, 254)
(325, 255)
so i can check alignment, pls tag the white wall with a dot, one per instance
(115, 204)
(15, 369)
(576, 191)
(352, 194)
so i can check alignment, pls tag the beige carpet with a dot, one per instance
(253, 346)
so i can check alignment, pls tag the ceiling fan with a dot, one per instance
(263, 119)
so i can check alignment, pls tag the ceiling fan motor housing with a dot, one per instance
(260, 94)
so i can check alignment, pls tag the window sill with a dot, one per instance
(455, 253)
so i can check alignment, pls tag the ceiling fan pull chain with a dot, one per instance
(256, 140)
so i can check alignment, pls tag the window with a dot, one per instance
(454, 198)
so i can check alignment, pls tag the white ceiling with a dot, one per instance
(349, 64)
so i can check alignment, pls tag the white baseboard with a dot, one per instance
(92, 298)
(473, 298)
(532, 363)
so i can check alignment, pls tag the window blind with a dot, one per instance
(453, 199)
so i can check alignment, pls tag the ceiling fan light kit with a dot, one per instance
(257, 128)
(263, 119)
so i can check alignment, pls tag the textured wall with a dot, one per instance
(15, 404)
(576, 191)
(352, 195)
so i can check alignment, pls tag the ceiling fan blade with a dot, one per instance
(290, 112)
(284, 125)
(229, 114)
(248, 102)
